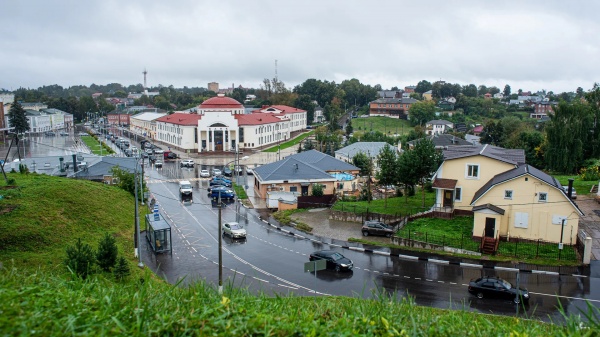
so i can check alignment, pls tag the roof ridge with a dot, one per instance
(483, 148)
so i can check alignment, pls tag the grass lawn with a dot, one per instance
(97, 147)
(582, 187)
(457, 233)
(240, 191)
(385, 125)
(290, 143)
(395, 205)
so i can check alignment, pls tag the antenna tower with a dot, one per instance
(276, 70)
(145, 72)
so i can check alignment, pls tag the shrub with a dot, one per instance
(106, 255)
(23, 169)
(80, 259)
(589, 173)
(121, 270)
(317, 190)
(11, 182)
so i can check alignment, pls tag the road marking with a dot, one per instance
(567, 297)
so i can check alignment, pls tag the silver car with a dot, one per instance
(234, 230)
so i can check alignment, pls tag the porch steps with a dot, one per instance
(594, 189)
(489, 246)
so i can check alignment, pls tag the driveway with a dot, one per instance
(590, 222)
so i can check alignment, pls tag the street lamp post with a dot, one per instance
(220, 247)
(137, 222)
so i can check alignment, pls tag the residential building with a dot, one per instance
(542, 109)
(410, 89)
(370, 149)
(145, 123)
(438, 126)
(506, 196)
(37, 106)
(297, 173)
(178, 130)
(428, 95)
(441, 141)
(499, 95)
(213, 86)
(318, 117)
(477, 130)
(389, 93)
(38, 121)
(391, 107)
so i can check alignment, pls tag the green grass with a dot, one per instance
(457, 233)
(39, 297)
(290, 143)
(49, 305)
(385, 125)
(240, 191)
(395, 205)
(581, 186)
(96, 146)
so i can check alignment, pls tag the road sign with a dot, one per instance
(315, 265)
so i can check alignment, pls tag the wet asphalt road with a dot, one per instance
(271, 261)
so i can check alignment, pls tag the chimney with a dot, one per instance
(570, 188)
(74, 163)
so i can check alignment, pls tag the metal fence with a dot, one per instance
(464, 242)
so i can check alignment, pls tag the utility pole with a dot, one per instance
(220, 248)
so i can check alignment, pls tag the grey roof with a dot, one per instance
(33, 113)
(302, 166)
(511, 156)
(54, 111)
(490, 207)
(443, 140)
(148, 116)
(519, 171)
(104, 167)
(371, 149)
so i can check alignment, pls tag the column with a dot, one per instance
(212, 142)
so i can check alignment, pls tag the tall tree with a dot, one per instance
(407, 175)
(304, 102)
(470, 90)
(426, 161)
(423, 86)
(506, 90)
(387, 174)
(17, 118)
(364, 163)
(567, 134)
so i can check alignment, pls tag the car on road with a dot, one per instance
(185, 191)
(64, 133)
(495, 287)
(49, 133)
(335, 260)
(573, 192)
(186, 163)
(216, 172)
(234, 230)
(377, 228)
(223, 192)
(250, 169)
(204, 174)
(158, 163)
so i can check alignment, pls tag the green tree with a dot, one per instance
(349, 128)
(317, 190)
(387, 174)
(426, 161)
(493, 133)
(17, 118)
(106, 255)
(567, 134)
(364, 163)
(423, 86)
(122, 269)
(80, 259)
(421, 112)
(507, 90)
(407, 175)
(470, 90)
(304, 102)
(126, 179)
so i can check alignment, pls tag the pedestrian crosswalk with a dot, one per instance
(175, 180)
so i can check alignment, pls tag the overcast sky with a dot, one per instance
(532, 45)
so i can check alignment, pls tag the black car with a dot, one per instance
(495, 287)
(334, 259)
(227, 171)
(377, 228)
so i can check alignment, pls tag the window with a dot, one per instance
(293, 188)
(472, 171)
(542, 197)
(508, 194)
(458, 194)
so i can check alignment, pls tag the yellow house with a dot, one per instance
(507, 197)
(525, 203)
(428, 95)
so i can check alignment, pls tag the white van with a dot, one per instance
(185, 191)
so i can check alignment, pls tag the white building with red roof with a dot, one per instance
(221, 124)
(178, 130)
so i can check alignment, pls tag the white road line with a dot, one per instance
(568, 297)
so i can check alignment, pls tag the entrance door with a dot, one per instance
(447, 202)
(490, 227)
(218, 140)
(304, 190)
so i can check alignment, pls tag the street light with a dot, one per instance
(137, 220)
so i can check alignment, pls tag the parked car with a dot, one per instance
(158, 163)
(214, 182)
(223, 192)
(228, 181)
(249, 169)
(234, 230)
(186, 163)
(50, 133)
(216, 172)
(573, 192)
(495, 287)
(377, 228)
(64, 133)
(335, 260)
(204, 174)
(128, 152)
(227, 172)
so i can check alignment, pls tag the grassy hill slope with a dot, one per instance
(44, 214)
